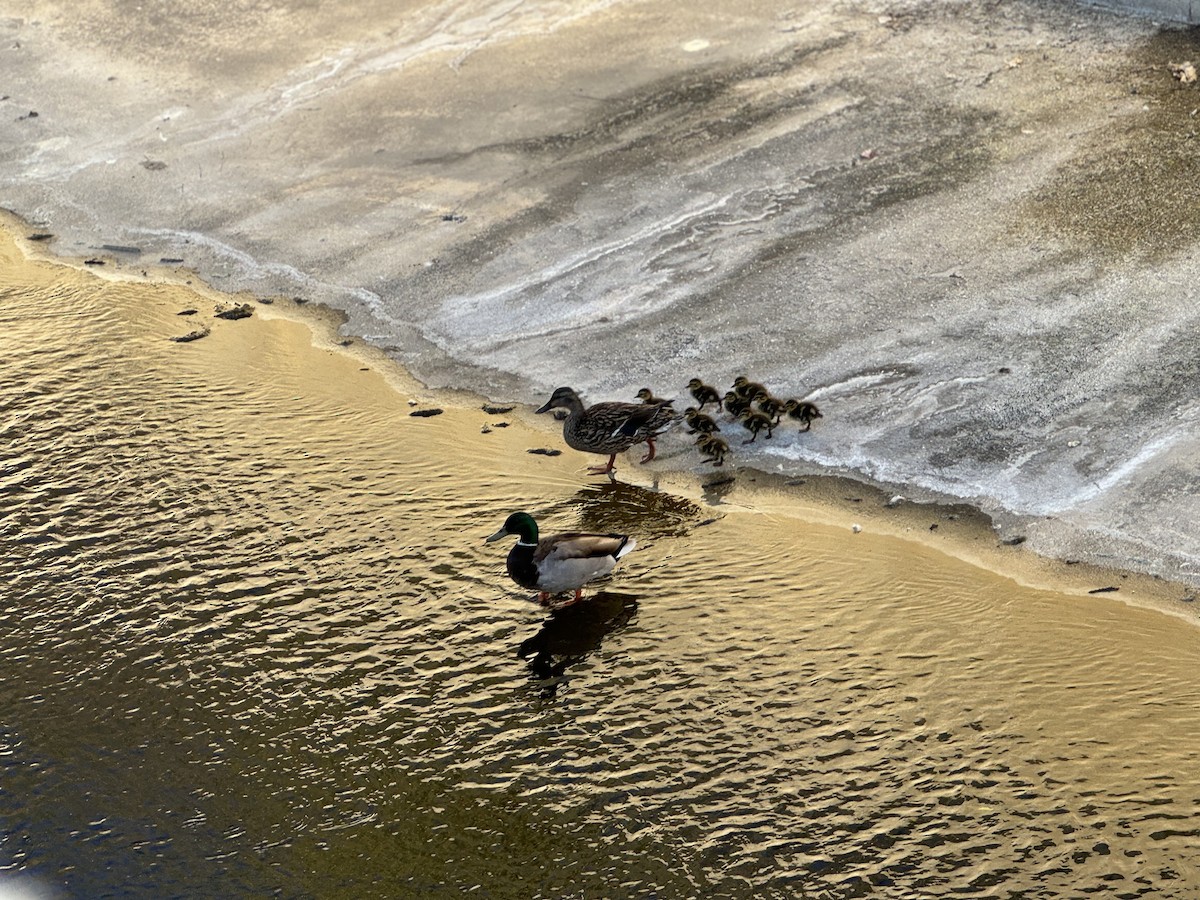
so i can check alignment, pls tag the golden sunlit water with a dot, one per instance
(253, 644)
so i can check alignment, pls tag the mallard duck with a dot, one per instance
(698, 421)
(703, 393)
(744, 387)
(735, 404)
(804, 411)
(713, 448)
(754, 422)
(610, 428)
(562, 562)
(768, 405)
(647, 397)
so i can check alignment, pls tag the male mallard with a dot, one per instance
(713, 448)
(647, 397)
(744, 387)
(755, 422)
(559, 562)
(703, 393)
(610, 428)
(804, 411)
(698, 421)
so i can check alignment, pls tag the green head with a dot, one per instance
(520, 524)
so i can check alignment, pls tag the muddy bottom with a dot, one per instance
(254, 645)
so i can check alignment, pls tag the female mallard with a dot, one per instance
(610, 428)
(704, 393)
(804, 411)
(559, 562)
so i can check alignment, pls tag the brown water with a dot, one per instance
(254, 644)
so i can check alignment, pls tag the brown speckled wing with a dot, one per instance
(579, 545)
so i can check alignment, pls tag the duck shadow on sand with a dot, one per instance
(572, 633)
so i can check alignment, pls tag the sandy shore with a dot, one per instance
(864, 512)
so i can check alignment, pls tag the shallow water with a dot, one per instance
(254, 644)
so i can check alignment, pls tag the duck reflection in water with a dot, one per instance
(570, 634)
(629, 509)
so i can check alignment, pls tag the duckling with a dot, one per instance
(610, 428)
(804, 411)
(703, 393)
(714, 448)
(744, 387)
(647, 397)
(769, 405)
(698, 421)
(735, 405)
(558, 563)
(755, 422)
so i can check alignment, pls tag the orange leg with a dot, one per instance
(650, 455)
(603, 470)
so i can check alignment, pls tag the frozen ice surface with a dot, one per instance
(969, 234)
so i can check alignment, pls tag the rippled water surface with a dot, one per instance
(253, 644)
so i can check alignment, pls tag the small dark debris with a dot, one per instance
(93, 262)
(496, 410)
(154, 165)
(365, 369)
(1103, 590)
(170, 260)
(241, 311)
(707, 522)
(1004, 370)
(453, 217)
(187, 312)
(346, 343)
(933, 527)
(32, 114)
(191, 336)
(299, 300)
(542, 451)
(499, 424)
(40, 236)
(120, 248)
(1015, 541)
(426, 413)
(266, 301)
(853, 499)
(795, 482)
